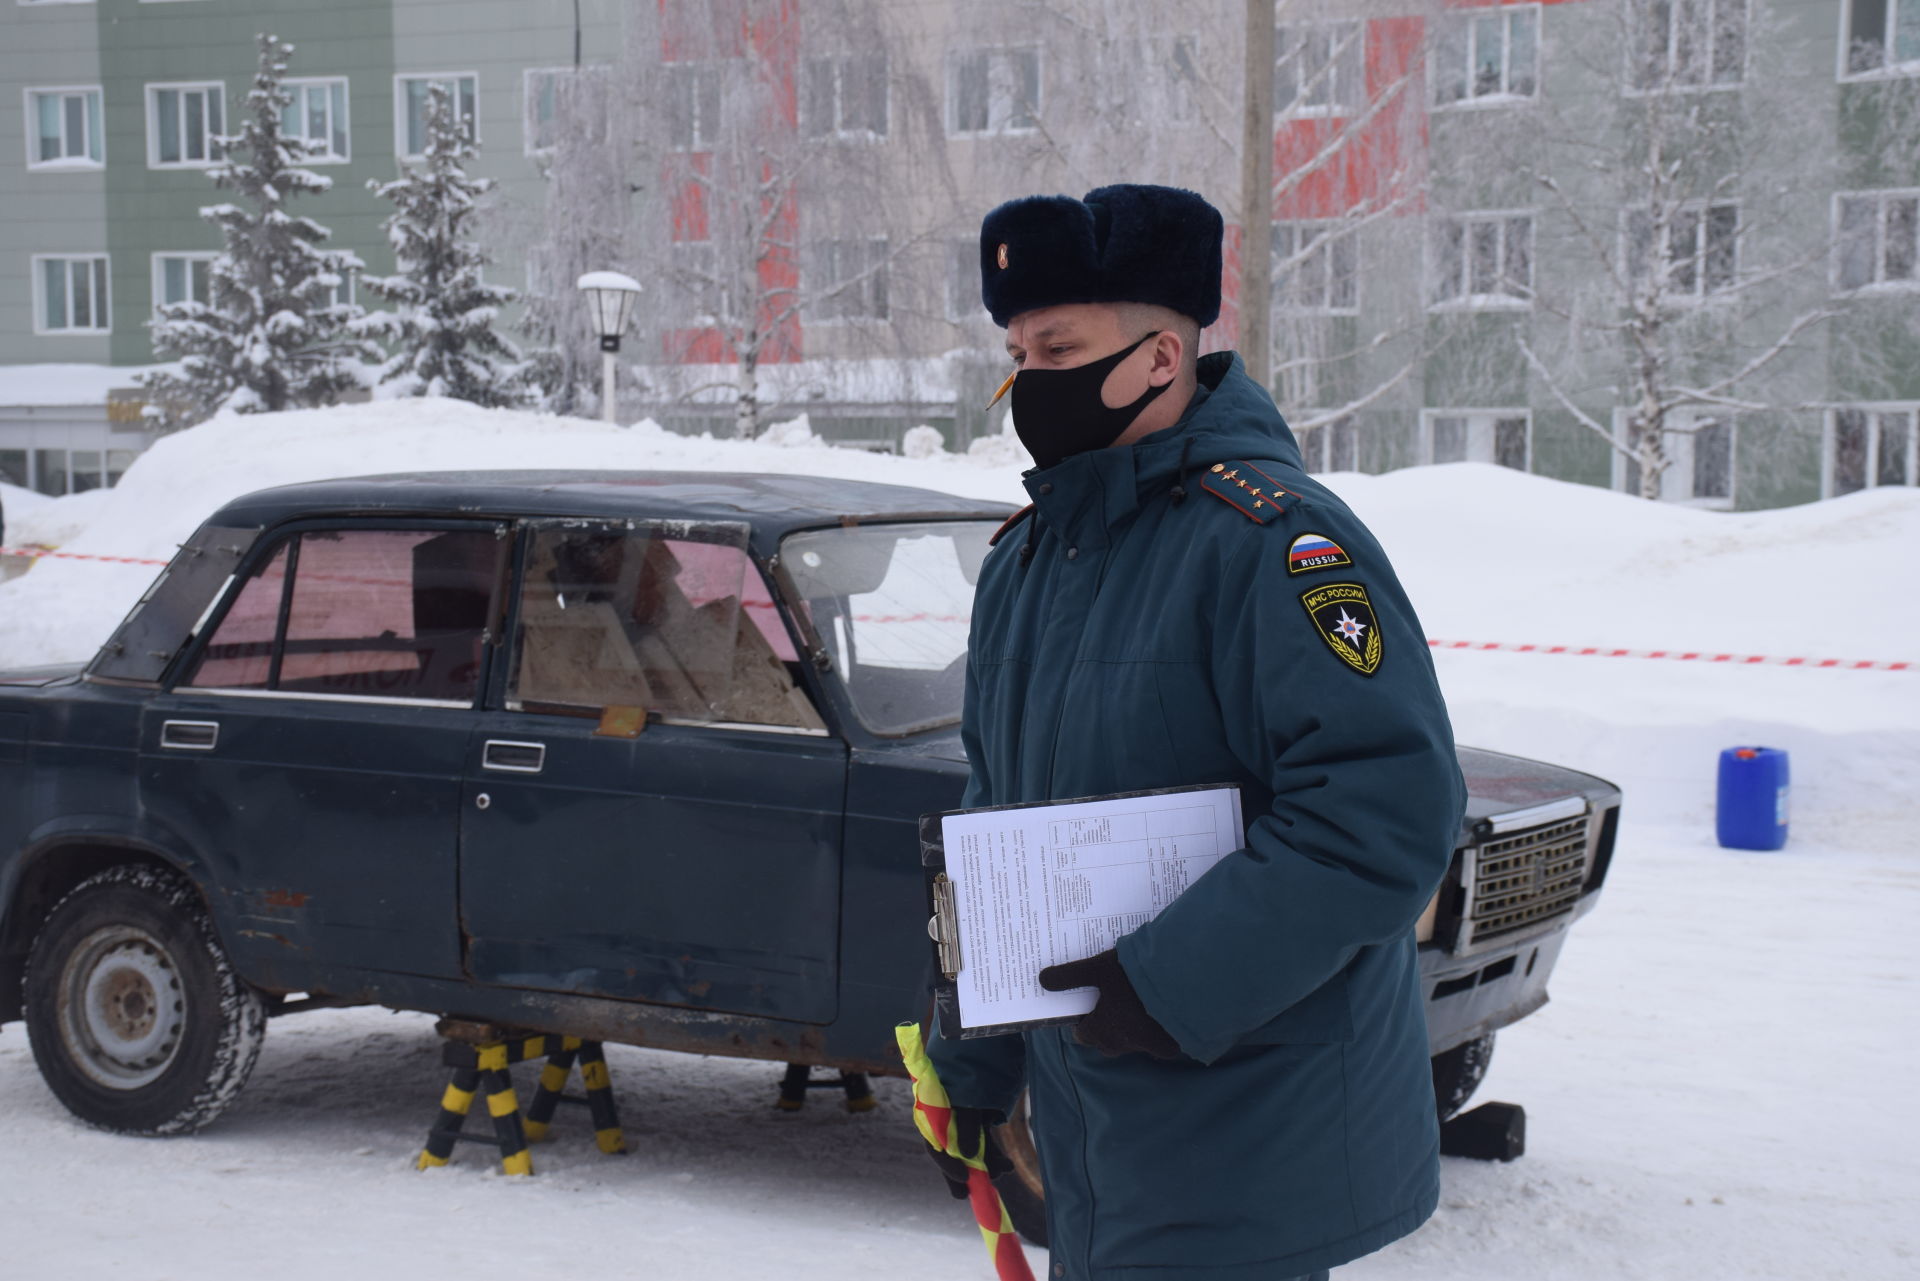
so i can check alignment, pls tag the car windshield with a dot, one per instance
(892, 603)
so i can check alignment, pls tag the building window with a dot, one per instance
(1867, 447)
(70, 294)
(1183, 78)
(1499, 436)
(1876, 239)
(1316, 267)
(993, 91)
(1882, 36)
(317, 116)
(1330, 446)
(1698, 254)
(64, 128)
(183, 278)
(846, 96)
(1319, 68)
(1484, 259)
(1688, 44)
(963, 280)
(346, 293)
(463, 95)
(1487, 55)
(184, 124)
(1699, 445)
(569, 99)
(693, 105)
(847, 279)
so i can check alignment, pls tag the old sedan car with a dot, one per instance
(635, 757)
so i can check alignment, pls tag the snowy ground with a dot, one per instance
(1723, 1086)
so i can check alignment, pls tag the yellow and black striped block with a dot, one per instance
(799, 1079)
(482, 1068)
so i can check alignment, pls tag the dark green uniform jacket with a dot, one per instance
(1152, 643)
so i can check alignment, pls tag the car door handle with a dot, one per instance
(191, 736)
(514, 758)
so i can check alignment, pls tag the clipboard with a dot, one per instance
(1168, 857)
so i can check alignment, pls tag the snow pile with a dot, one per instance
(39, 521)
(16, 502)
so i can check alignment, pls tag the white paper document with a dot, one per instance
(1044, 884)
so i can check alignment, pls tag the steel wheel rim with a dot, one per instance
(123, 1009)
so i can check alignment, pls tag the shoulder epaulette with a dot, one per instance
(1009, 523)
(1247, 489)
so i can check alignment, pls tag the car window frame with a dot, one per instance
(739, 533)
(830, 693)
(267, 545)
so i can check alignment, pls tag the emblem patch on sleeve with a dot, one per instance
(1315, 551)
(1344, 617)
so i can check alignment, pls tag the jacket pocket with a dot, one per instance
(1321, 1017)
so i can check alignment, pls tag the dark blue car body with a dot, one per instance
(715, 888)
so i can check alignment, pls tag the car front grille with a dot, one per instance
(1523, 879)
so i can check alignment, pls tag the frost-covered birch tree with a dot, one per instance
(441, 329)
(595, 197)
(1690, 272)
(273, 334)
(1140, 94)
(789, 182)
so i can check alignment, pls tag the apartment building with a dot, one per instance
(1464, 265)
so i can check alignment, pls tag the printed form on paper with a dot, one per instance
(1040, 885)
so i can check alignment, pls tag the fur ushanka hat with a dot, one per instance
(1125, 243)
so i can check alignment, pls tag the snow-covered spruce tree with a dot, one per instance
(441, 329)
(272, 335)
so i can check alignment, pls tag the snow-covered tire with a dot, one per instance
(137, 1019)
(1457, 1073)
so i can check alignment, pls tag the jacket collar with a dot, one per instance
(1230, 416)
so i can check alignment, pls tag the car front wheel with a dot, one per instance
(1457, 1073)
(138, 1022)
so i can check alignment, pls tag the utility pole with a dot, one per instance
(1256, 195)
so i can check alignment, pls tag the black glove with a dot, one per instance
(970, 1128)
(1119, 1023)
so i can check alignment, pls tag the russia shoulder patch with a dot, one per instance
(1315, 551)
(1344, 617)
(1246, 489)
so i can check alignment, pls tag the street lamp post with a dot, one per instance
(610, 298)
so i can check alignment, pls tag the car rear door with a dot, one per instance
(313, 750)
(654, 811)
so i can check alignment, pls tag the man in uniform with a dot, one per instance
(1182, 604)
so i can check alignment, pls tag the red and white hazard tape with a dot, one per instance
(42, 553)
(1681, 655)
(1503, 647)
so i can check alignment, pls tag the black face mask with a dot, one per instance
(1058, 412)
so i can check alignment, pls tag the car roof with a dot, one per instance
(772, 504)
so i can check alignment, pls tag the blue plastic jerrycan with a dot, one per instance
(1753, 798)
